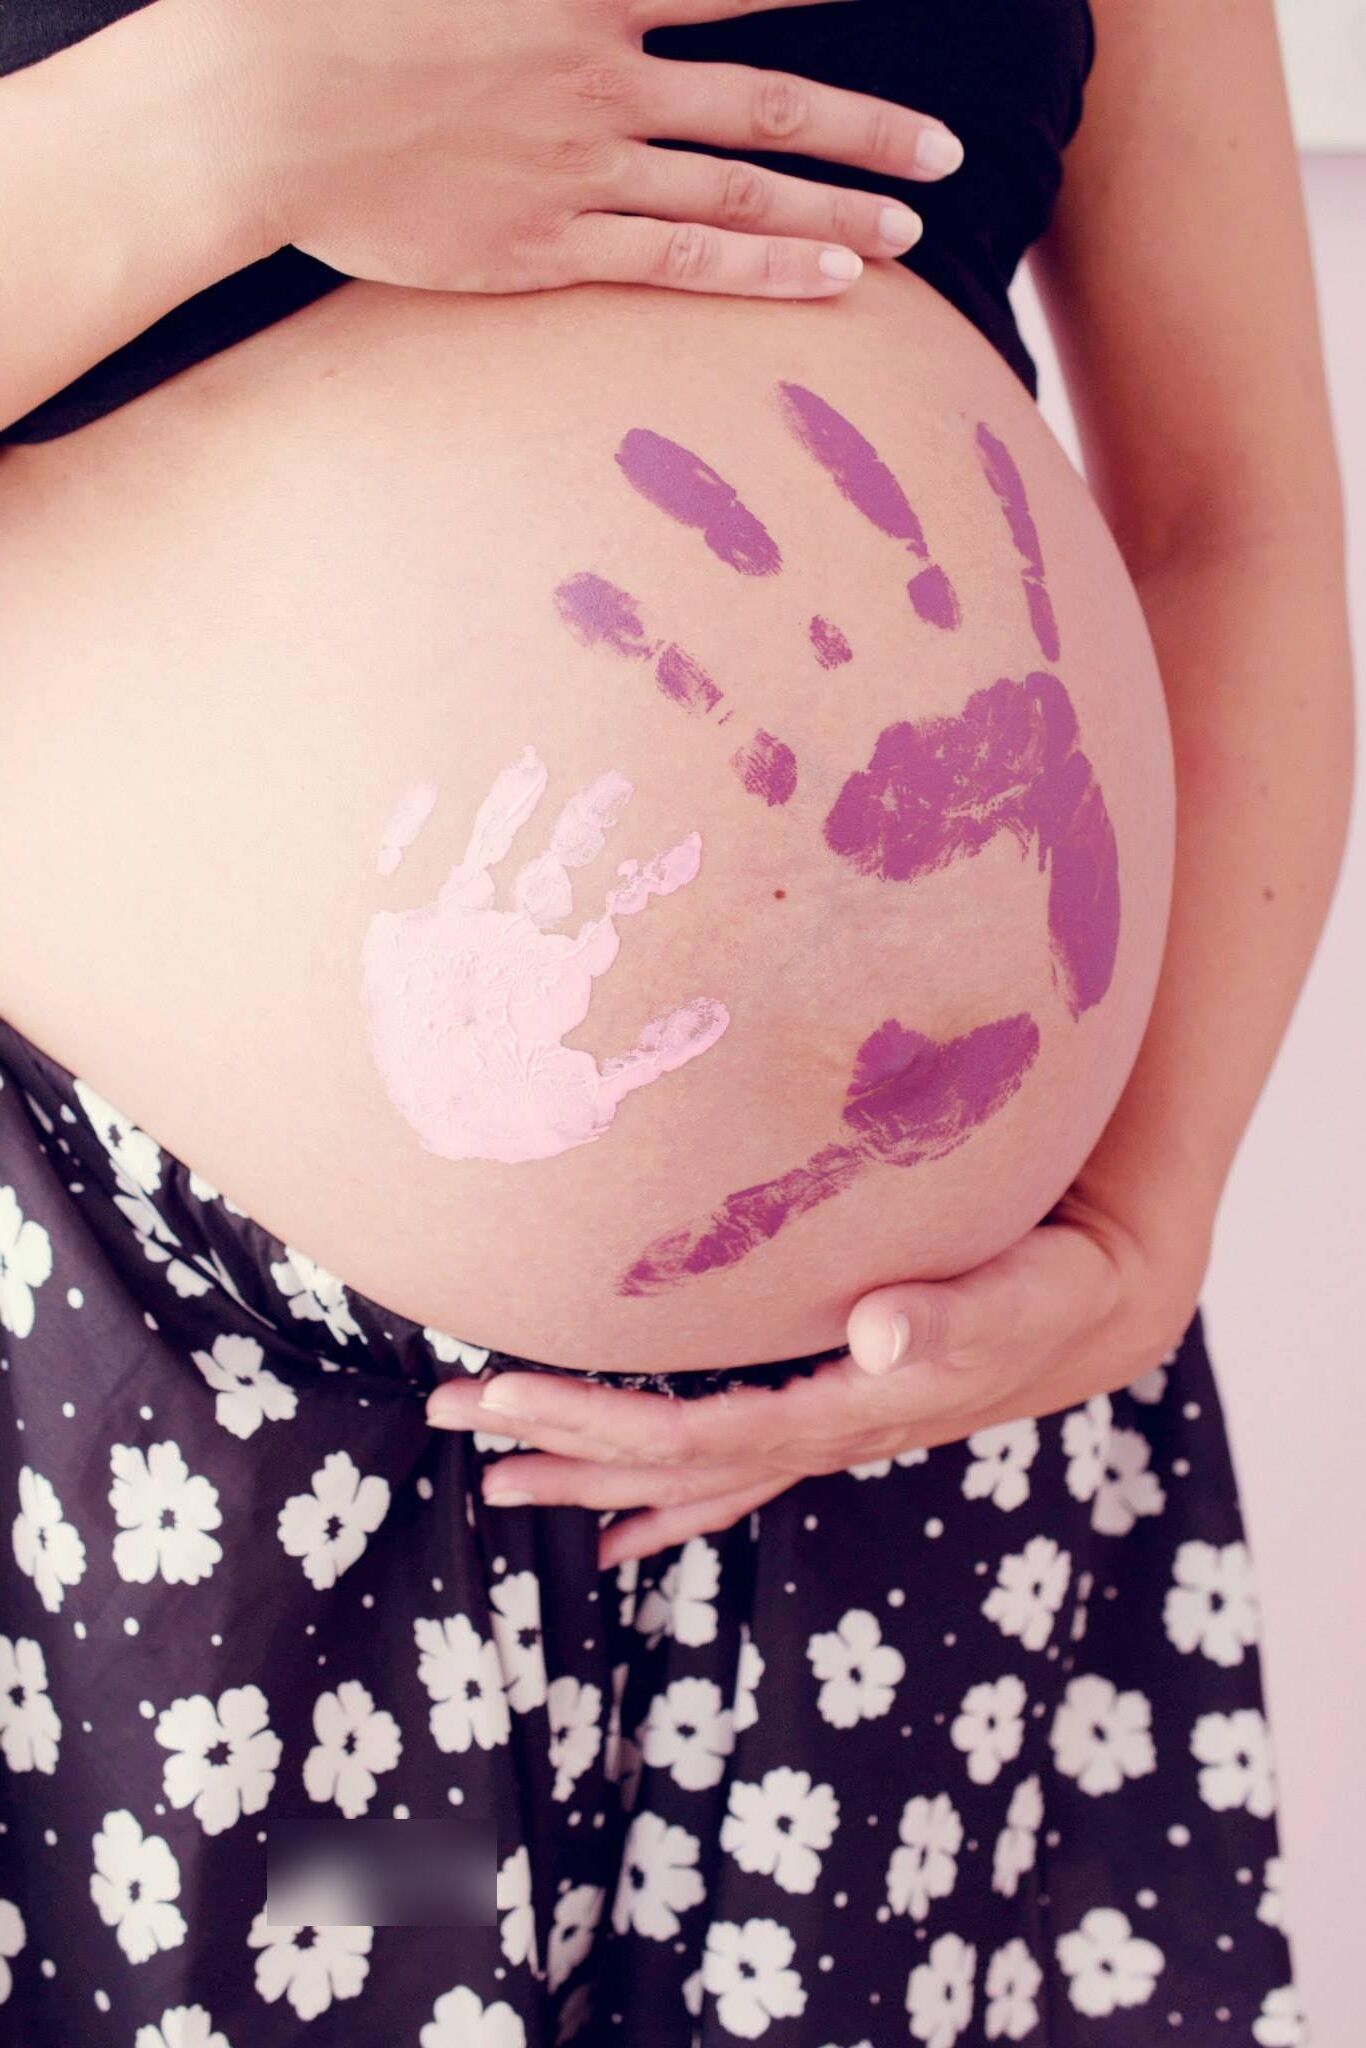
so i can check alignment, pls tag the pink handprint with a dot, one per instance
(468, 1005)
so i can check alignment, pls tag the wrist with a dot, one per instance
(213, 116)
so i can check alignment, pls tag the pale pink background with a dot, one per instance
(1286, 1297)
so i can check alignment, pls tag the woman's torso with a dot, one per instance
(245, 615)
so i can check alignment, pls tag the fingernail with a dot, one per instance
(938, 151)
(501, 1497)
(840, 263)
(890, 1345)
(899, 226)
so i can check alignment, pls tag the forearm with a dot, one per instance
(1253, 645)
(117, 196)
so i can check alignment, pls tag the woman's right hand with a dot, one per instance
(502, 146)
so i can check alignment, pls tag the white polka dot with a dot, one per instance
(78, 1630)
(145, 1413)
(150, 1321)
(402, 1813)
(158, 1808)
(310, 1628)
(789, 1587)
(883, 1914)
(74, 1298)
(1181, 1467)
(896, 1596)
(78, 1187)
(500, 1565)
(1147, 1897)
(456, 1796)
(811, 1522)
(1243, 1876)
(934, 1527)
(68, 1115)
(438, 1585)
(1221, 2012)
(50, 1837)
(1224, 1942)
(841, 1898)
(86, 1727)
(68, 1409)
(1052, 1838)
(425, 1489)
(950, 1640)
(48, 1967)
(1178, 1835)
(18, 1422)
(130, 1627)
(826, 1963)
(367, 1599)
(589, 1641)
(216, 1642)
(146, 1709)
(102, 2001)
(1173, 2019)
(1191, 1411)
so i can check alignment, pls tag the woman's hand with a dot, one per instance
(502, 146)
(1084, 1304)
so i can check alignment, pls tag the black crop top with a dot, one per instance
(1005, 75)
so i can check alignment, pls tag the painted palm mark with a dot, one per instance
(468, 1005)
(911, 1099)
(934, 791)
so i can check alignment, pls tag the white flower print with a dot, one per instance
(1029, 1590)
(747, 1968)
(989, 1727)
(1212, 1606)
(315, 1295)
(515, 1616)
(247, 1391)
(182, 2026)
(13, 1935)
(939, 1991)
(925, 1867)
(205, 1191)
(223, 1758)
(574, 1711)
(30, 1729)
(158, 1241)
(164, 1513)
(1001, 1458)
(1238, 1766)
(780, 1827)
(356, 1741)
(859, 1673)
(135, 1882)
(659, 1878)
(1012, 1979)
(327, 1529)
(25, 1264)
(46, 1546)
(463, 1674)
(450, 1351)
(749, 1669)
(136, 1158)
(878, 1468)
(577, 1913)
(1270, 1906)
(1101, 1736)
(1107, 1965)
(333, 1962)
(688, 1732)
(1109, 1467)
(1280, 2023)
(683, 1605)
(517, 1915)
(1017, 1842)
(460, 2019)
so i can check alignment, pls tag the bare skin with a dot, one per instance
(1181, 214)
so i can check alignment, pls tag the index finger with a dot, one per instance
(739, 106)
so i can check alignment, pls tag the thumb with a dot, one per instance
(918, 1323)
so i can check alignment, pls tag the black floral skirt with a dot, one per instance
(953, 1748)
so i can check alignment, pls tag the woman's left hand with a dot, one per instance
(1084, 1304)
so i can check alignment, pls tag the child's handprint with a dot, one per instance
(468, 1005)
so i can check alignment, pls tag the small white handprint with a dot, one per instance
(468, 1005)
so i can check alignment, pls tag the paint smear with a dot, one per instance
(832, 649)
(406, 820)
(467, 1006)
(685, 680)
(1004, 477)
(864, 479)
(911, 1099)
(939, 790)
(767, 767)
(691, 491)
(599, 614)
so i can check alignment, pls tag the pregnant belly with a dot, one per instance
(613, 821)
